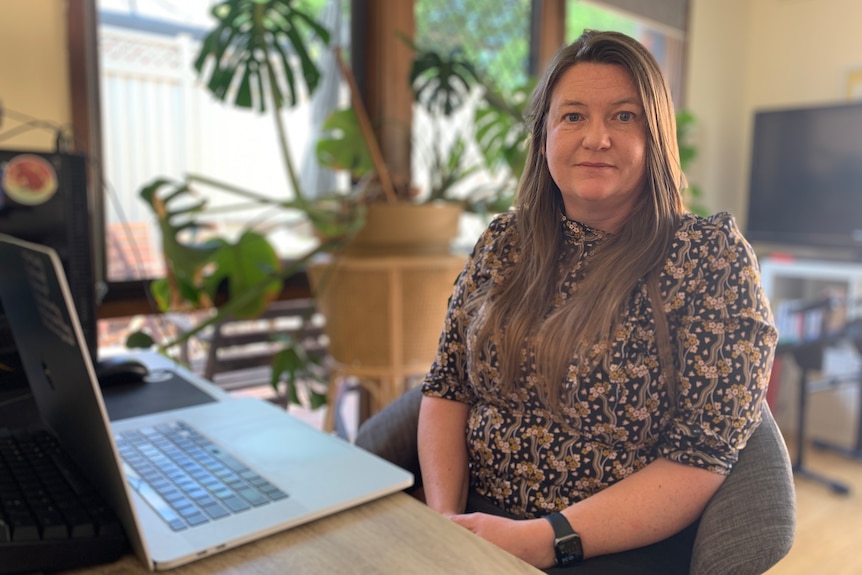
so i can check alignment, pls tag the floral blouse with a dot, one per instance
(529, 460)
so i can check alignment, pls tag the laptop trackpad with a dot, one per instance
(164, 390)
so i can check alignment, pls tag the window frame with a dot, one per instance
(126, 298)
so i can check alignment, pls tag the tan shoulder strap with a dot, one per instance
(662, 334)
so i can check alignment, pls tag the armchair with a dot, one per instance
(747, 527)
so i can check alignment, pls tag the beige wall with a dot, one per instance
(33, 69)
(746, 55)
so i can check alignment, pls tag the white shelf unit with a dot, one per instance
(831, 414)
(807, 279)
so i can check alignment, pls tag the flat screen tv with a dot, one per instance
(806, 178)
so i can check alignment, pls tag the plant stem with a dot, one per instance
(282, 135)
(367, 132)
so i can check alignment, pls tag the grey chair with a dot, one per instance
(747, 527)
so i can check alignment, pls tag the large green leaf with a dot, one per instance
(162, 293)
(139, 340)
(342, 146)
(257, 50)
(442, 82)
(294, 366)
(249, 267)
(501, 131)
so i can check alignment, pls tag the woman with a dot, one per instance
(582, 445)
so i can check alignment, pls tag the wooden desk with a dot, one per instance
(396, 534)
(393, 535)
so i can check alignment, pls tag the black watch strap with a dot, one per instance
(561, 525)
(567, 543)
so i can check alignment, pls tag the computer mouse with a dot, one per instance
(117, 370)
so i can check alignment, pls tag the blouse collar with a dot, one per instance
(577, 233)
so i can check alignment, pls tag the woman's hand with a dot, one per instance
(532, 540)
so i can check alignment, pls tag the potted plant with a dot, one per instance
(258, 56)
(384, 295)
(443, 84)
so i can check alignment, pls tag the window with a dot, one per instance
(665, 41)
(159, 121)
(494, 36)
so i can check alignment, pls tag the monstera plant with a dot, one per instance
(444, 83)
(260, 55)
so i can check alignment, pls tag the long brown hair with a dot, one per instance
(516, 310)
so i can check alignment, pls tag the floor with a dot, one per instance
(829, 525)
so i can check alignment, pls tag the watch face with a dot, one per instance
(568, 549)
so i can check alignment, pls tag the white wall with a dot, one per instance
(34, 72)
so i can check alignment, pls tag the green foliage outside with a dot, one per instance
(493, 34)
(581, 15)
(692, 196)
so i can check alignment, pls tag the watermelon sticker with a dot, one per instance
(29, 180)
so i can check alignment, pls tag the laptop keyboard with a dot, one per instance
(51, 516)
(187, 479)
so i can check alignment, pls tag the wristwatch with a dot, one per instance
(567, 543)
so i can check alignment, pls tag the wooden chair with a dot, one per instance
(241, 351)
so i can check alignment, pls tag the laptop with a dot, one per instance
(293, 473)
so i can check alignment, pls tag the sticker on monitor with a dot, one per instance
(29, 180)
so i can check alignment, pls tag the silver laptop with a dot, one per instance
(252, 469)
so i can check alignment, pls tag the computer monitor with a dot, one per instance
(43, 199)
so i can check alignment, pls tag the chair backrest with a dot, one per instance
(750, 523)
